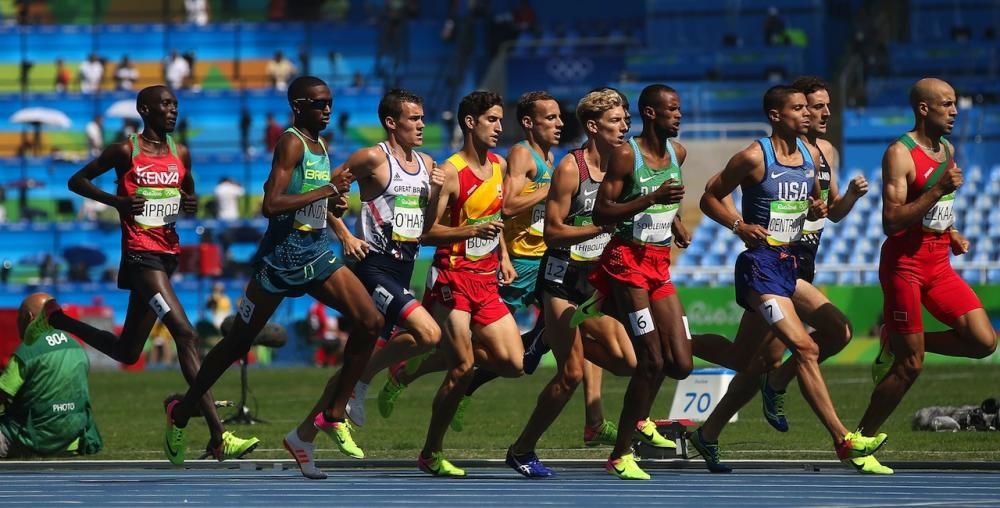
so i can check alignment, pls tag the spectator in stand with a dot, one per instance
(246, 121)
(279, 70)
(358, 80)
(48, 270)
(219, 305)
(162, 350)
(176, 71)
(227, 199)
(95, 135)
(327, 334)
(272, 132)
(91, 74)
(44, 393)
(91, 210)
(197, 11)
(125, 74)
(774, 28)
(62, 76)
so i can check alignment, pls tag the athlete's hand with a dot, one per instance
(337, 205)
(130, 205)
(437, 177)
(507, 272)
(189, 203)
(355, 248)
(959, 244)
(817, 209)
(342, 181)
(682, 237)
(668, 193)
(488, 230)
(858, 186)
(950, 181)
(751, 234)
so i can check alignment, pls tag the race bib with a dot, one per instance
(311, 217)
(589, 250)
(941, 216)
(555, 270)
(479, 248)
(787, 219)
(161, 208)
(652, 226)
(537, 226)
(407, 219)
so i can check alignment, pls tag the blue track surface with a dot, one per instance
(495, 487)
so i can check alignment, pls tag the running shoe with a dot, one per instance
(773, 403)
(646, 430)
(534, 352)
(39, 326)
(869, 465)
(708, 451)
(855, 446)
(884, 358)
(356, 405)
(340, 433)
(302, 452)
(388, 395)
(174, 440)
(591, 308)
(231, 447)
(458, 421)
(604, 434)
(528, 465)
(626, 468)
(437, 465)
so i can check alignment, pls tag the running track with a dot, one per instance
(489, 486)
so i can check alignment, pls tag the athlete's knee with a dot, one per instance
(985, 341)
(909, 367)
(650, 366)
(807, 352)
(571, 374)
(371, 325)
(426, 334)
(130, 357)
(461, 370)
(680, 368)
(511, 367)
(185, 338)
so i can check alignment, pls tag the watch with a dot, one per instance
(736, 224)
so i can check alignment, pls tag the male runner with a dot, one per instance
(465, 223)
(154, 186)
(641, 195)
(394, 180)
(574, 246)
(294, 259)
(920, 180)
(778, 177)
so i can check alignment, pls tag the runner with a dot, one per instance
(465, 224)
(294, 259)
(154, 187)
(574, 247)
(778, 177)
(920, 181)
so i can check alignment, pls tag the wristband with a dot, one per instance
(336, 191)
(736, 225)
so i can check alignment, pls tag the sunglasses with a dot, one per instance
(317, 103)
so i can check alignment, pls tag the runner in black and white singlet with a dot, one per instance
(394, 180)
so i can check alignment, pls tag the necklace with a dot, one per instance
(155, 142)
(314, 140)
(928, 148)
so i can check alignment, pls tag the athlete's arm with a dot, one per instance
(818, 209)
(607, 209)
(287, 155)
(565, 183)
(717, 202)
(507, 271)
(362, 164)
(519, 164)
(189, 200)
(354, 247)
(897, 214)
(440, 234)
(116, 156)
(840, 206)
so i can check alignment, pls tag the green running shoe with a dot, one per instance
(708, 451)
(232, 447)
(591, 308)
(855, 446)
(437, 465)
(458, 422)
(388, 395)
(869, 465)
(646, 430)
(340, 433)
(626, 468)
(884, 358)
(773, 404)
(604, 434)
(174, 440)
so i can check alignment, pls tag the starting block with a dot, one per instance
(674, 430)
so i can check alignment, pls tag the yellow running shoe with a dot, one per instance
(626, 468)
(646, 430)
(604, 434)
(232, 447)
(174, 440)
(437, 465)
(869, 465)
(591, 308)
(340, 433)
(855, 446)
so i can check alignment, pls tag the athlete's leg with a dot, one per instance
(435, 362)
(738, 354)
(255, 308)
(343, 292)
(593, 409)
(497, 346)
(950, 299)
(456, 346)
(127, 348)
(483, 376)
(420, 334)
(607, 344)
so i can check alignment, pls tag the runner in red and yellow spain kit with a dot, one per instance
(920, 180)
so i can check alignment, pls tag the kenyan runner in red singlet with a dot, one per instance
(154, 187)
(921, 181)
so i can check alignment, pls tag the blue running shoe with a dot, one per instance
(774, 405)
(709, 451)
(534, 352)
(528, 465)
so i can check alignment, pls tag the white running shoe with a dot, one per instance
(356, 405)
(302, 452)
